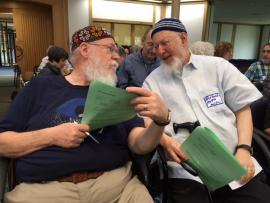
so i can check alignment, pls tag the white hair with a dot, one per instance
(94, 71)
(173, 68)
(202, 48)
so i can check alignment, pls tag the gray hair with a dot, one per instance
(202, 48)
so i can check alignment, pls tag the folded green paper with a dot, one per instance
(211, 159)
(107, 105)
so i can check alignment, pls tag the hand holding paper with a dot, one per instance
(148, 104)
(106, 105)
(245, 158)
(214, 163)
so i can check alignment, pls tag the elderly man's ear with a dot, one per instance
(183, 37)
(85, 50)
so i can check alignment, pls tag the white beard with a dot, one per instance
(174, 68)
(94, 71)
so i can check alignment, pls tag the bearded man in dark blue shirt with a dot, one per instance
(55, 160)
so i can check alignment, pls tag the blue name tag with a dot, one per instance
(212, 100)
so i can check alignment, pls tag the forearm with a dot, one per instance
(245, 130)
(146, 140)
(244, 125)
(14, 144)
(164, 140)
(156, 115)
(66, 135)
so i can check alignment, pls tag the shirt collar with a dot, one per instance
(193, 62)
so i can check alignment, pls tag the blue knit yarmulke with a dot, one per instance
(171, 24)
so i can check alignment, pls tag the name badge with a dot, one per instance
(213, 100)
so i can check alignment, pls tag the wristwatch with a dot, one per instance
(246, 147)
(166, 122)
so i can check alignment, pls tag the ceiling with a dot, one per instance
(242, 11)
(235, 11)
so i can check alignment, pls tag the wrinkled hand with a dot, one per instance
(245, 159)
(173, 149)
(69, 135)
(148, 104)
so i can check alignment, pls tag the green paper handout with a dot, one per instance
(107, 105)
(211, 159)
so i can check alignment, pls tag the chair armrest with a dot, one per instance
(263, 135)
(261, 139)
(4, 162)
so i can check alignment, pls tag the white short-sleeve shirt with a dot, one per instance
(208, 89)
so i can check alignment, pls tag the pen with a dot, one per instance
(89, 135)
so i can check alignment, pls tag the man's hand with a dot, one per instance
(173, 149)
(148, 104)
(245, 159)
(68, 135)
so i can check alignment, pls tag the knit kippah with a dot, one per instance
(171, 24)
(89, 34)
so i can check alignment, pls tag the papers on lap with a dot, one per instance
(211, 159)
(106, 105)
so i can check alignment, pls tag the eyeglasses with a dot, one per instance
(110, 48)
(163, 44)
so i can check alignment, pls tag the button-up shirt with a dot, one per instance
(134, 70)
(208, 89)
(257, 72)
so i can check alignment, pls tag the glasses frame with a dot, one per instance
(110, 48)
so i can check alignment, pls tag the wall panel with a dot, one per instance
(246, 42)
(34, 34)
(226, 32)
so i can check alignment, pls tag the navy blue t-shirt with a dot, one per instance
(50, 101)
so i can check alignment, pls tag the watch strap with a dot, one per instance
(246, 147)
(166, 122)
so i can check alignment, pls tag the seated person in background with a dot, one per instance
(212, 91)
(44, 60)
(126, 47)
(67, 69)
(259, 71)
(51, 147)
(224, 50)
(134, 49)
(122, 55)
(57, 57)
(202, 48)
(138, 65)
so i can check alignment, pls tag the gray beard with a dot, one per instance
(94, 72)
(174, 68)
